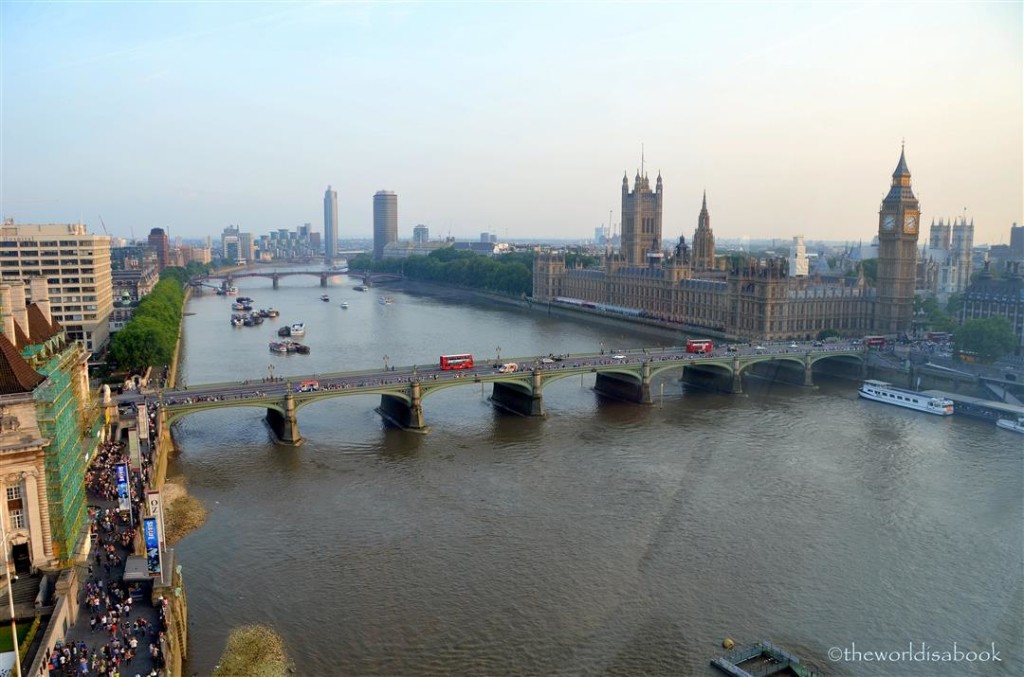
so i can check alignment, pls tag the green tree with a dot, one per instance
(988, 339)
(827, 333)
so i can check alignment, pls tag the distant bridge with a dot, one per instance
(276, 275)
(624, 377)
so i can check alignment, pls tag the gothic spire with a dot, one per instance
(901, 168)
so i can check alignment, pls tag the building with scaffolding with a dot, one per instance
(50, 426)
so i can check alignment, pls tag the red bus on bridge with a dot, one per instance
(464, 361)
(874, 342)
(699, 346)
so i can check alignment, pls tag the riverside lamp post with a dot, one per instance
(10, 599)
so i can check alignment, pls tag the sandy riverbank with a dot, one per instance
(253, 651)
(183, 513)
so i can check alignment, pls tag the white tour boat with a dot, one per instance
(880, 391)
(1007, 424)
(298, 329)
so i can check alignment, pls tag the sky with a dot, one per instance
(512, 118)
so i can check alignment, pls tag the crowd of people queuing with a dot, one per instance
(117, 633)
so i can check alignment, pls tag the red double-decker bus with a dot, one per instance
(874, 341)
(464, 361)
(699, 346)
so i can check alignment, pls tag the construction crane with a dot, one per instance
(104, 227)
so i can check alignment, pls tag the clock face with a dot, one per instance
(888, 222)
(910, 224)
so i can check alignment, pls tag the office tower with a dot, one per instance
(641, 219)
(385, 221)
(704, 240)
(897, 254)
(77, 261)
(330, 224)
(160, 244)
(420, 234)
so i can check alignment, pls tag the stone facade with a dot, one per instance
(752, 299)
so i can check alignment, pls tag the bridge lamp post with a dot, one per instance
(498, 352)
(270, 373)
(386, 360)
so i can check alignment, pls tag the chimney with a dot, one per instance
(5, 310)
(41, 296)
(18, 308)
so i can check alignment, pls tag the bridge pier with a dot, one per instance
(517, 399)
(624, 387)
(285, 426)
(323, 280)
(276, 278)
(405, 414)
(808, 374)
(737, 377)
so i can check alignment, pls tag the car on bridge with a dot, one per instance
(618, 357)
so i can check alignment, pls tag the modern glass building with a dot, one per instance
(385, 221)
(330, 224)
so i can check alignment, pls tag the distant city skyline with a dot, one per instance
(512, 119)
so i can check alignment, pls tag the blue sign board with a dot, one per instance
(152, 540)
(124, 500)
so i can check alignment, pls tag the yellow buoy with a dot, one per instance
(727, 643)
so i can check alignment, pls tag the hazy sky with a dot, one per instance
(513, 118)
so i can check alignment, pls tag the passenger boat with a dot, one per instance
(385, 300)
(344, 304)
(232, 291)
(237, 320)
(361, 287)
(278, 347)
(1007, 424)
(284, 331)
(880, 391)
(273, 312)
(298, 329)
(325, 298)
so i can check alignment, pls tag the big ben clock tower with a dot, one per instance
(898, 221)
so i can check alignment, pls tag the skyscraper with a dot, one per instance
(330, 224)
(385, 221)
(158, 241)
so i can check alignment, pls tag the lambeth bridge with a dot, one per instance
(626, 376)
(276, 275)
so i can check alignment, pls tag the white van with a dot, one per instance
(508, 368)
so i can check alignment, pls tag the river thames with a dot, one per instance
(604, 538)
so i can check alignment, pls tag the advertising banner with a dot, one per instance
(152, 539)
(143, 423)
(133, 449)
(155, 508)
(124, 498)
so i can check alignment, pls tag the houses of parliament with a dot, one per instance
(741, 299)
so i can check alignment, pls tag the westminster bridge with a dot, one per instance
(623, 376)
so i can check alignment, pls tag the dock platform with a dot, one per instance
(975, 407)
